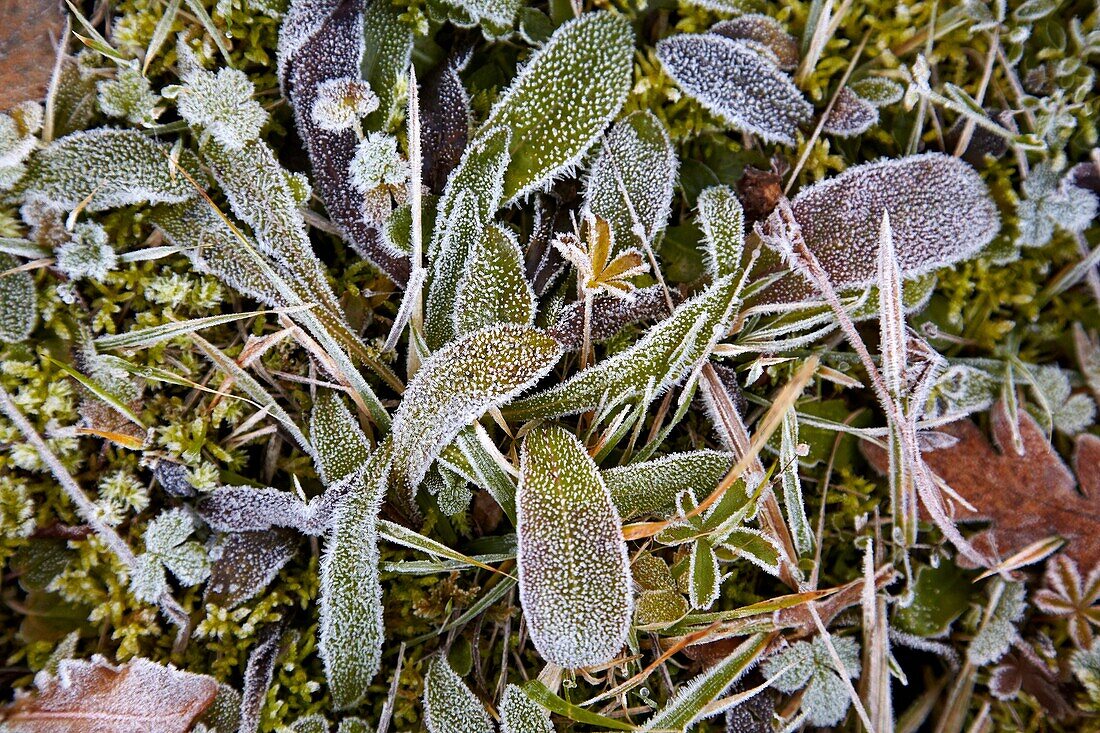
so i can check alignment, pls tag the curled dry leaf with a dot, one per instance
(94, 696)
(1027, 497)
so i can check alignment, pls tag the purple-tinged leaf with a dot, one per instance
(766, 31)
(851, 115)
(444, 122)
(246, 562)
(609, 316)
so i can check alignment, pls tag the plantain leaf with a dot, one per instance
(520, 714)
(456, 386)
(449, 706)
(652, 487)
(574, 573)
(940, 212)
(631, 182)
(738, 85)
(579, 80)
(106, 169)
(471, 198)
(494, 288)
(688, 705)
(18, 304)
(662, 357)
(351, 631)
(338, 440)
(722, 220)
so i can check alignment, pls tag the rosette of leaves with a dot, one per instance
(810, 665)
(167, 547)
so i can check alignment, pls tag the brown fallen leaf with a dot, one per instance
(97, 697)
(759, 192)
(1027, 497)
(28, 31)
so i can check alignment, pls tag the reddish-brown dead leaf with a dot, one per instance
(97, 697)
(1027, 497)
(28, 31)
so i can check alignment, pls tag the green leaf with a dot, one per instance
(566, 95)
(797, 521)
(652, 487)
(146, 337)
(456, 386)
(753, 545)
(939, 596)
(494, 288)
(520, 714)
(18, 302)
(687, 706)
(703, 575)
(723, 223)
(351, 631)
(496, 17)
(538, 692)
(665, 355)
(631, 182)
(337, 438)
(387, 49)
(108, 169)
(575, 584)
(449, 706)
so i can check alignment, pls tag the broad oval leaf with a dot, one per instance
(449, 706)
(494, 288)
(666, 354)
(563, 99)
(574, 571)
(456, 386)
(851, 115)
(737, 84)
(351, 630)
(940, 212)
(766, 31)
(107, 169)
(652, 486)
(722, 220)
(631, 182)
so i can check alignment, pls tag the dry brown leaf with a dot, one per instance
(97, 697)
(28, 31)
(1025, 498)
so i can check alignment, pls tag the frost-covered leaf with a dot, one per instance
(1050, 203)
(220, 104)
(797, 521)
(574, 572)
(449, 706)
(494, 288)
(704, 578)
(351, 631)
(878, 90)
(337, 438)
(609, 316)
(249, 509)
(996, 635)
(851, 115)
(469, 202)
(630, 185)
(244, 563)
(148, 582)
(88, 254)
(652, 486)
(766, 31)
(735, 83)
(521, 714)
(129, 96)
(311, 724)
(321, 41)
(109, 169)
(564, 97)
(93, 695)
(258, 674)
(341, 103)
(940, 213)
(687, 706)
(746, 543)
(445, 119)
(18, 303)
(665, 355)
(449, 489)
(722, 220)
(165, 543)
(827, 699)
(1070, 413)
(496, 17)
(457, 385)
(378, 163)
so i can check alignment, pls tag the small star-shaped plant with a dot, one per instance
(597, 272)
(1067, 595)
(166, 546)
(809, 664)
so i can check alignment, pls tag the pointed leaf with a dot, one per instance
(579, 80)
(722, 220)
(574, 572)
(521, 714)
(652, 486)
(449, 706)
(494, 288)
(457, 385)
(336, 436)
(665, 355)
(703, 576)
